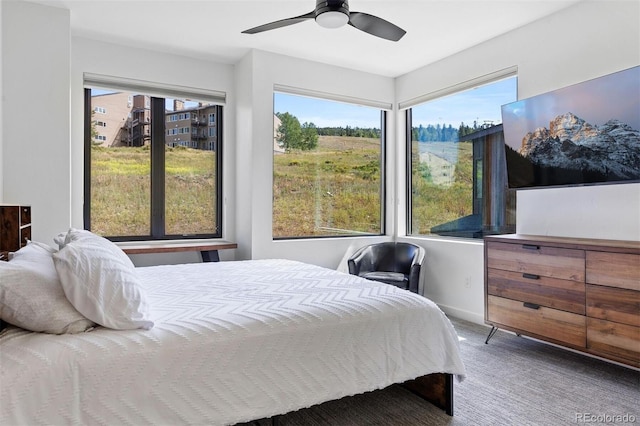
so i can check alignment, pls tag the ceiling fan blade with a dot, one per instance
(281, 23)
(375, 26)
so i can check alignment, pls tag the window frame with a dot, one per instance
(408, 172)
(157, 175)
(383, 194)
(383, 165)
(408, 106)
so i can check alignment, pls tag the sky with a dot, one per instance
(325, 113)
(615, 96)
(476, 104)
(479, 104)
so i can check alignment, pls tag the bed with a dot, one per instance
(231, 342)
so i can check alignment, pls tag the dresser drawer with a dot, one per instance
(614, 304)
(552, 324)
(614, 269)
(612, 339)
(565, 295)
(25, 235)
(25, 215)
(553, 262)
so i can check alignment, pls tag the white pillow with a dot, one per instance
(31, 296)
(101, 282)
(64, 238)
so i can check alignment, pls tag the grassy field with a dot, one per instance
(333, 190)
(120, 191)
(435, 204)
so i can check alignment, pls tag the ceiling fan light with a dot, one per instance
(332, 19)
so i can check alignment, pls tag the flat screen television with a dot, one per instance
(584, 134)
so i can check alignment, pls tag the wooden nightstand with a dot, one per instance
(15, 228)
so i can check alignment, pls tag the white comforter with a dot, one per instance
(233, 341)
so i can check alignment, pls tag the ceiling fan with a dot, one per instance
(334, 14)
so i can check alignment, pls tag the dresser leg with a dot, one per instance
(491, 333)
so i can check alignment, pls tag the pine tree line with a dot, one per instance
(443, 133)
(293, 135)
(358, 132)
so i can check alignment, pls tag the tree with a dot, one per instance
(309, 136)
(465, 130)
(289, 131)
(293, 136)
(94, 131)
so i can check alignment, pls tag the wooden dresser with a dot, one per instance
(579, 293)
(15, 228)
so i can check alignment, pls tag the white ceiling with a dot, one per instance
(211, 29)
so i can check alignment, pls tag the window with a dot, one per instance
(328, 168)
(212, 119)
(100, 110)
(142, 186)
(457, 179)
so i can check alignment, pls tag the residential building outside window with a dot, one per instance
(328, 168)
(457, 175)
(147, 175)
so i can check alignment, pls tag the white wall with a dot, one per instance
(54, 186)
(244, 156)
(35, 114)
(42, 148)
(585, 41)
(590, 39)
(90, 56)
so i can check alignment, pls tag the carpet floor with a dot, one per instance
(510, 381)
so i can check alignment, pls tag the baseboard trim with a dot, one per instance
(462, 314)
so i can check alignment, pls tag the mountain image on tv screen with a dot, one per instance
(587, 133)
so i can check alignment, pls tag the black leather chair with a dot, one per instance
(397, 264)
